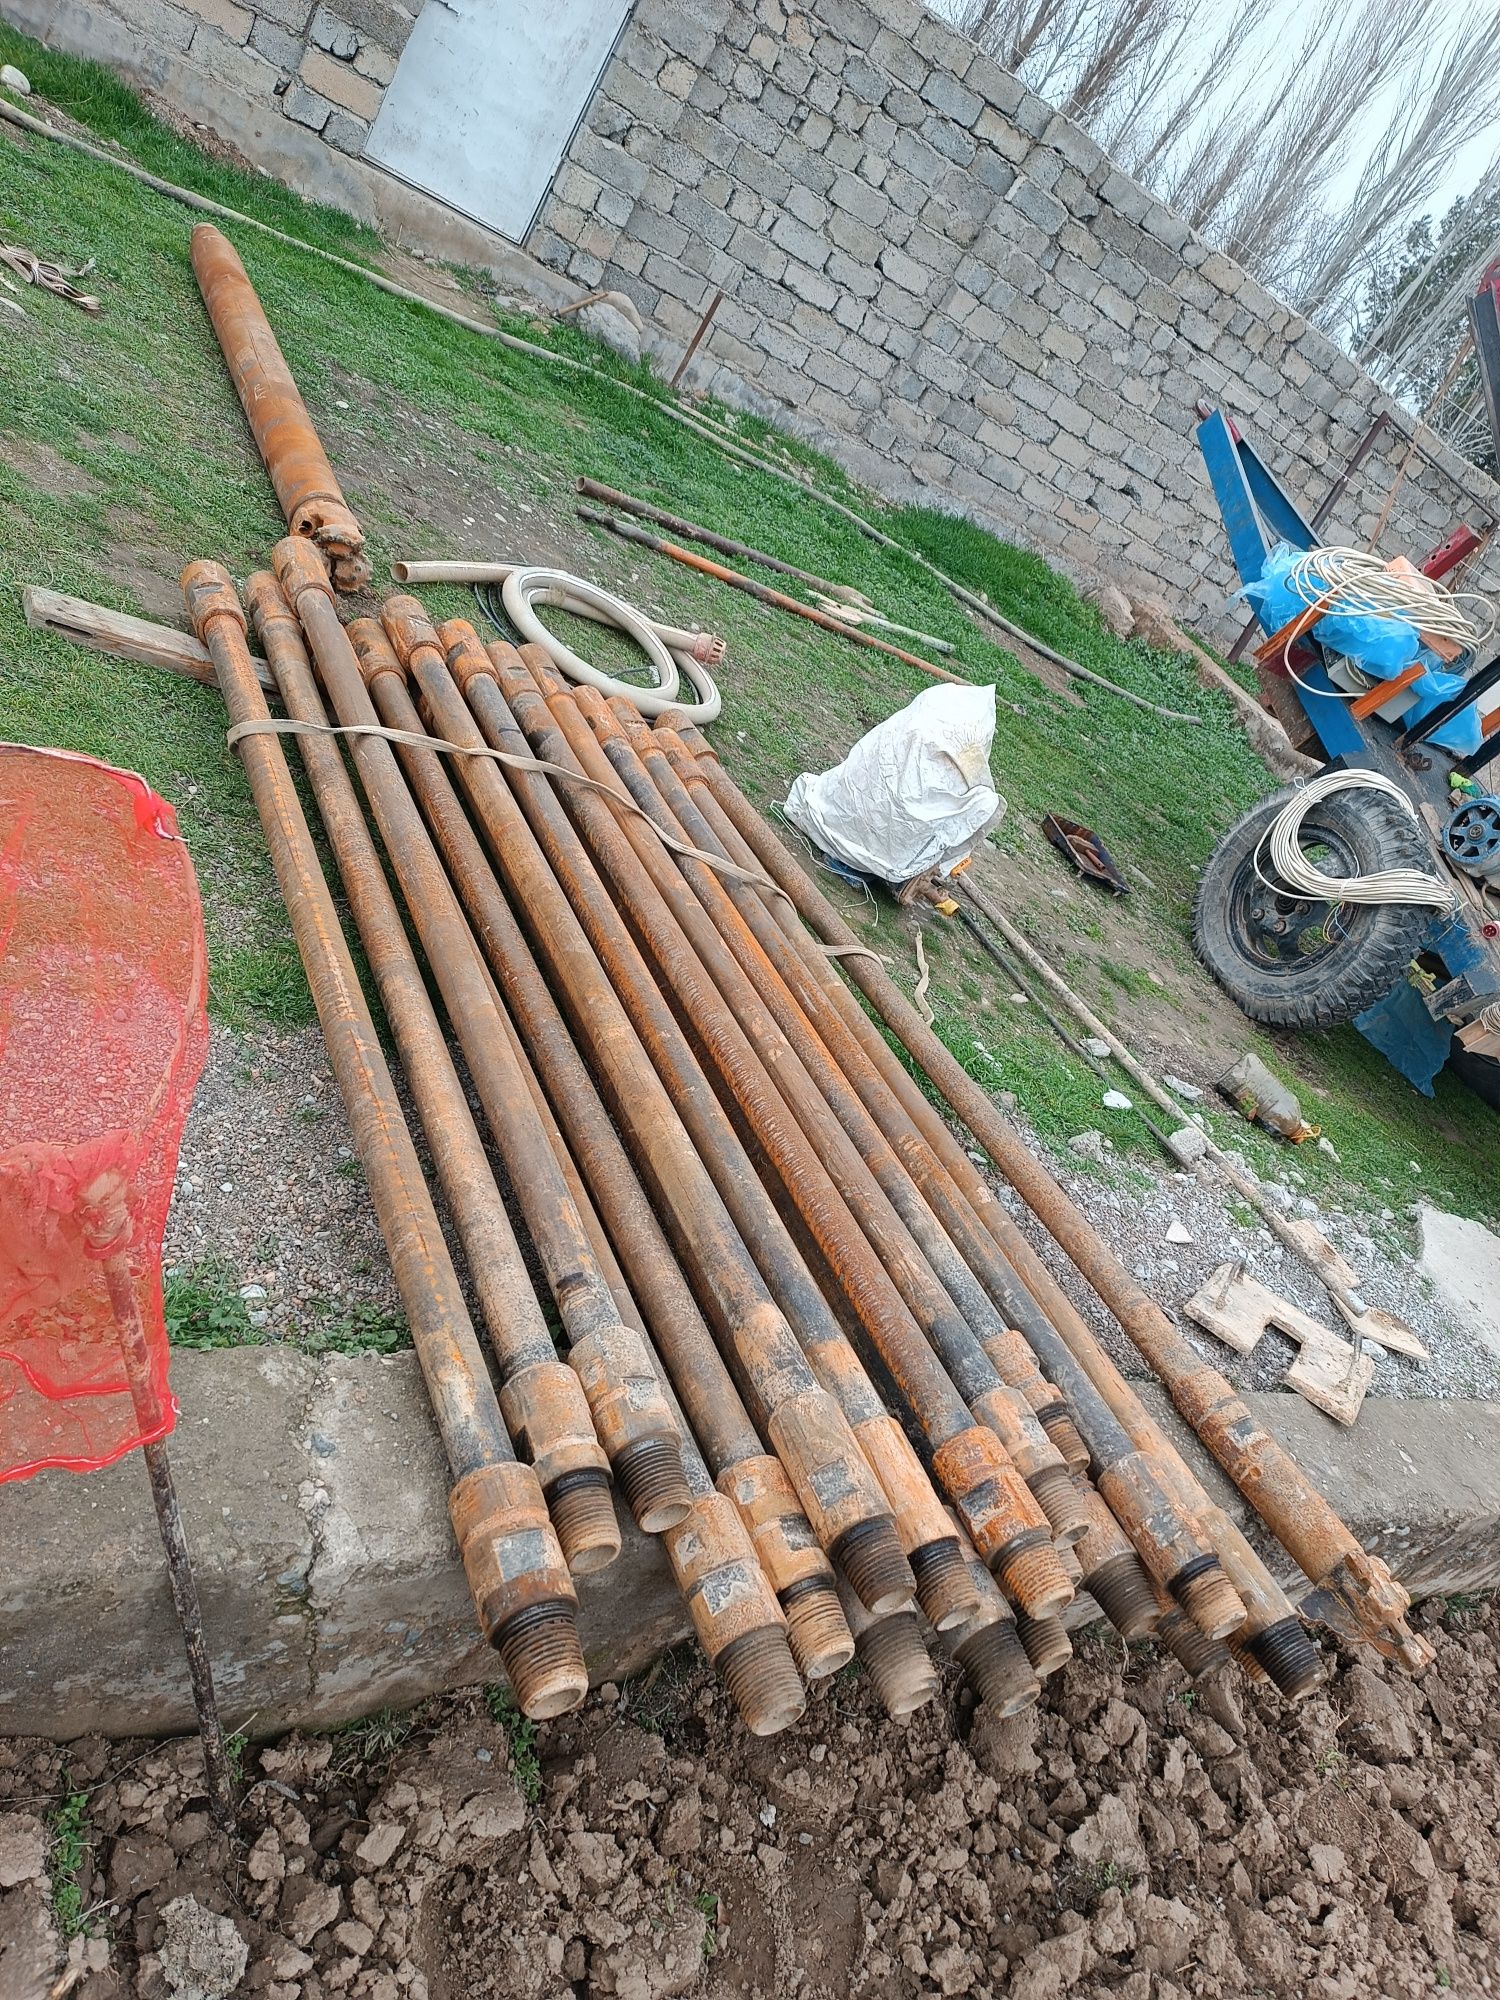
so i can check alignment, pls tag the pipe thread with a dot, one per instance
(1036, 1581)
(1124, 1592)
(1045, 1643)
(816, 1628)
(874, 1567)
(892, 1654)
(1057, 1421)
(543, 1660)
(650, 1478)
(583, 1514)
(1288, 1656)
(997, 1668)
(1193, 1650)
(1055, 1491)
(1244, 1659)
(945, 1589)
(763, 1684)
(1210, 1600)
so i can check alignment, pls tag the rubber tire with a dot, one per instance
(1382, 938)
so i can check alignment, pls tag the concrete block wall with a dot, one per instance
(950, 286)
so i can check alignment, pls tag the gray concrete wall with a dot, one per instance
(950, 287)
(314, 1495)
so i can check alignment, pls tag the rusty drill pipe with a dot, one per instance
(1271, 1622)
(309, 494)
(939, 1289)
(990, 1496)
(891, 1652)
(541, 1398)
(514, 1565)
(796, 1565)
(633, 1423)
(1353, 1590)
(593, 960)
(989, 1648)
(1179, 1555)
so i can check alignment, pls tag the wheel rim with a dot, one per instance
(1272, 927)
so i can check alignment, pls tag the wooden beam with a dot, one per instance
(124, 637)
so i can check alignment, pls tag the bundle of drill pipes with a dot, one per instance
(801, 1336)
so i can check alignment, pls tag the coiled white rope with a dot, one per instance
(1354, 583)
(1294, 871)
(524, 587)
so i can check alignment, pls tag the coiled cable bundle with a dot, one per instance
(1354, 583)
(1294, 871)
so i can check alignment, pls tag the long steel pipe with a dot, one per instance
(541, 1398)
(974, 1468)
(515, 1568)
(608, 1186)
(1051, 1321)
(1352, 1589)
(632, 1420)
(593, 961)
(310, 496)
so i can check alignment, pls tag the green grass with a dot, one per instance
(203, 1308)
(520, 1740)
(67, 1864)
(129, 456)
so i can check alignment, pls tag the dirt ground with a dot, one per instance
(1133, 1836)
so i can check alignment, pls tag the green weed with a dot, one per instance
(68, 1861)
(520, 1740)
(203, 1308)
(707, 1900)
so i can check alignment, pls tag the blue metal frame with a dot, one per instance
(1258, 513)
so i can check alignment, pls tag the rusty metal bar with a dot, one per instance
(541, 1398)
(594, 962)
(519, 1581)
(632, 1421)
(310, 496)
(1352, 1590)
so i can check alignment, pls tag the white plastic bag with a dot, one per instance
(912, 795)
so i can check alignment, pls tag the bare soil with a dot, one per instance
(1132, 1836)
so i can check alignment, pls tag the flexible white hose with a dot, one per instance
(1294, 871)
(1353, 583)
(524, 587)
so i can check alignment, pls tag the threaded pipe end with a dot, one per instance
(945, 1589)
(997, 1668)
(1055, 1491)
(1036, 1581)
(816, 1628)
(1193, 1650)
(583, 1515)
(874, 1567)
(1057, 1421)
(763, 1684)
(1287, 1655)
(543, 1660)
(1244, 1659)
(1045, 1643)
(892, 1654)
(1124, 1593)
(1209, 1599)
(649, 1475)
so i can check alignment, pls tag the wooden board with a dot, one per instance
(123, 636)
(1237, 1309)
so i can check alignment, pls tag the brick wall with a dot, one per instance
(952, 288)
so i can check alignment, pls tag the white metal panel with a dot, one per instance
(486, 98)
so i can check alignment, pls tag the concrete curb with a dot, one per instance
(314, 1493)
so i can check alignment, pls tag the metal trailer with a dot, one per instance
(1414, 981)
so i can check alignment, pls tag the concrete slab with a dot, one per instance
(314, 1493)
(1462, 1259)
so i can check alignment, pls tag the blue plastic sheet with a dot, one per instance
(1382, 646)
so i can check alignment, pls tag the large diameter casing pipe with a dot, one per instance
(294, 457)
(542, 1400)
(515, 1568)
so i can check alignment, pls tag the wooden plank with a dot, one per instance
(1376, 1324)
(1237, 1309)
(123, 636)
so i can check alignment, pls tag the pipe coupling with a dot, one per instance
(408, 626)
(927, 1534)
(635, 1425)
(1170, 1545)
(299, 566)
(547, 1414)
(209, 593)
(519, 1582)
(465, 654)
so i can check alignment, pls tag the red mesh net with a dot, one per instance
(103, 979)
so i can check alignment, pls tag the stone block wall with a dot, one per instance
(948, 285)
